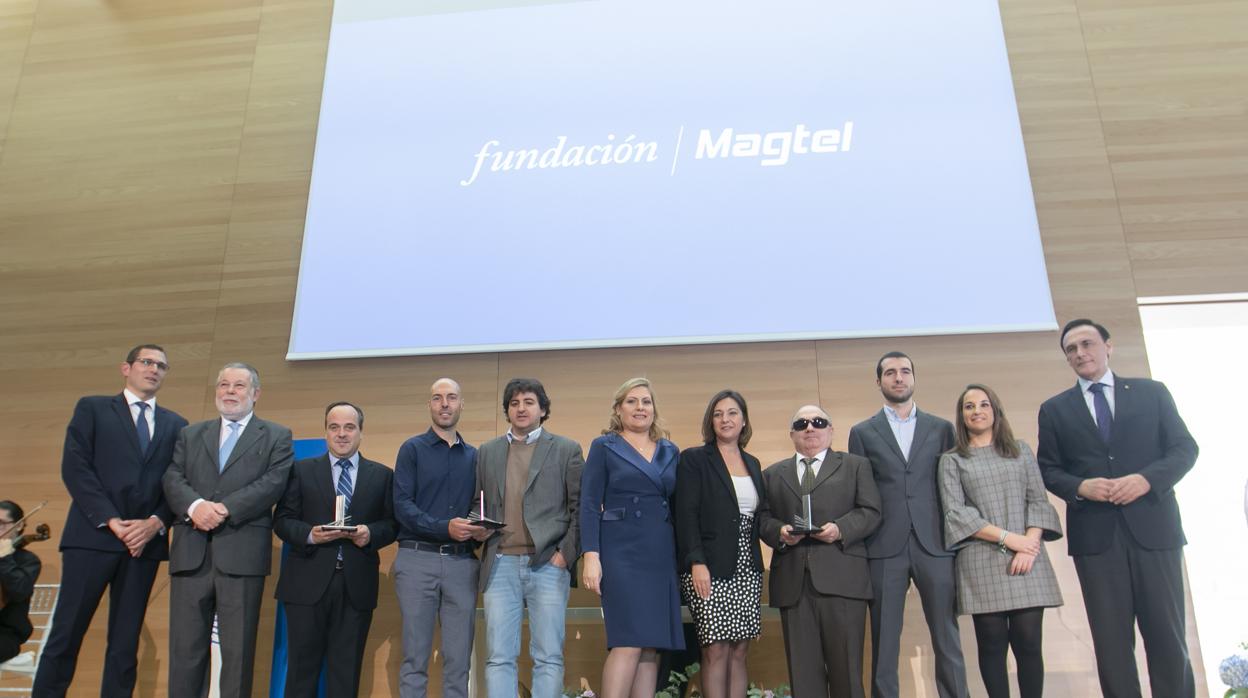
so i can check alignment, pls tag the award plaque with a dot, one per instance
(477, 517)
(340, 517)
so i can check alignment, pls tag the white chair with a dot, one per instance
(42, 604)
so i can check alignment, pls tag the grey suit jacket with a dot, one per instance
(844, 494)
(251, 483)
(908, 486)
(551, 499)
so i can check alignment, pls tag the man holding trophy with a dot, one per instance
(337, 512)
(820, 506)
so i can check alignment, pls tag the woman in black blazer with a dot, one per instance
(718, 488)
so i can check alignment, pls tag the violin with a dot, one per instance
(42, 532)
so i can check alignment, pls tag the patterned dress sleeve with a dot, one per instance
(1040, 512)
(962, 519)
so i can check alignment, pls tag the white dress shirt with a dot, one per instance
(132, 400)
(819, 458)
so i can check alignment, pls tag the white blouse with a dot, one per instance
(747, 496)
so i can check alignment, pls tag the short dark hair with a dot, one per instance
(133, 355)
(879, 365)
(708, 429)
(527, 385)
(343, 403)
(1081, 322)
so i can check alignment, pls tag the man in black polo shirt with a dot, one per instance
(435, 572)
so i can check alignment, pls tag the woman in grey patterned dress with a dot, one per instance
(996, 515)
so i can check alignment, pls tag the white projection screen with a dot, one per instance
(495, 176)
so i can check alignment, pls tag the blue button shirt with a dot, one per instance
(433, 483)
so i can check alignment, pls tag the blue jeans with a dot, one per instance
(512, 586)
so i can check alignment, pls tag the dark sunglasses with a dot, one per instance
(817, 422)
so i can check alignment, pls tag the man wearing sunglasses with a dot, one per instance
(117, 448)
(820, 579)
(904, 445)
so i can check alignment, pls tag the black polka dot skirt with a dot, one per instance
(732, 611)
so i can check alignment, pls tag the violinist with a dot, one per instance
(19, 568)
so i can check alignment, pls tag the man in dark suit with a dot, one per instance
(226, 475)
(904, 445)
(117, 448)
(1114, 448)
(820, 582)
(329, 577)
(531, 481)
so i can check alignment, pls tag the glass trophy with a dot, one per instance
(804, 523)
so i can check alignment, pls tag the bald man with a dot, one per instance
(435, 571)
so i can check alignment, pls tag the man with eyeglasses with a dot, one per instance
(904, 445)
(226, 475)
(117, 449)
(820, 579)
(1114, 448)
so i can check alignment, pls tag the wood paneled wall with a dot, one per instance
(154, 167)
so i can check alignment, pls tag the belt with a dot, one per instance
(439, 548)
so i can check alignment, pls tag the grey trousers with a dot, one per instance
(934, 578)
(442, 587)
(194, 597)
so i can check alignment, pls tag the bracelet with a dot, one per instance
(1001, 542)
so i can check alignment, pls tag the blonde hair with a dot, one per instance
(657, 430)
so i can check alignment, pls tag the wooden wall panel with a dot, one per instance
(17, 17)
(1172, 90)
(154, 169)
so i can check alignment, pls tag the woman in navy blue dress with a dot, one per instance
(629, 541)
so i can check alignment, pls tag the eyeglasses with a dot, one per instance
(817, 422)
(148, 363)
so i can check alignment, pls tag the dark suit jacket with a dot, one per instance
(252, 482)
(844, 494)
(108, 477)
(707, 516)
(308, 502)
(908, 488)
(551, 499)
(1149, 438)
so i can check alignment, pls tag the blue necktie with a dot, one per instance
(344, 484)
(223, 456)
(140, 428)
(344, 489)
(1104, 418)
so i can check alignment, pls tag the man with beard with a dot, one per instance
(435, 572)
(904, 446)
(226, 475)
